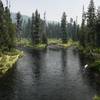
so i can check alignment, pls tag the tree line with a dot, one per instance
(39, 30)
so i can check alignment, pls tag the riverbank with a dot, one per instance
(58, 43)
(55, 42)
(28, 43)
(8, 59)
(94, 64)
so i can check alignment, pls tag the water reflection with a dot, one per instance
(63, 57)
(8, 86)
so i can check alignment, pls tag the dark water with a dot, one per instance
(48, 75)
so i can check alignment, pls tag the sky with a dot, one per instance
(53, 8)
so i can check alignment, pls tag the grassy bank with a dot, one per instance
(8, 59)
(28, 43)
(24, 42)
(58, 42)
(39, 46)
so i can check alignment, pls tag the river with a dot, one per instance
(49, 75)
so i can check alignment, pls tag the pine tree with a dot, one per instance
(83, 28)
(44, 35)
(10, 28)
(74, 31)
(3, 29)
(32, 28)
(91, 23)
(18, 25)
(70, 28)
(36, 28)
(63, 28)
(98, 28)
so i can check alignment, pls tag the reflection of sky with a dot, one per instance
(54, 8)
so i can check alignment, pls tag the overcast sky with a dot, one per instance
(53, 8)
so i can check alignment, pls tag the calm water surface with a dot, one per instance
(48, 75)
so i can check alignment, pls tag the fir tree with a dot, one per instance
(36, 28)
(18, 25)
(10, 28)
(4, 37)
(91, 23)
(63, 27)
(98, 28)
(32, 28)
(44, 35)
(83, 28)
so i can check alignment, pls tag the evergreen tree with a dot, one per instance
(63, 27)
(44, 34)
(4, 37)
(10, 28)
(18, 25)
(32, 27)
(91, 23)
(70, 28)
(74, 31)
(98, 28)
(36, 28)
(82, 30)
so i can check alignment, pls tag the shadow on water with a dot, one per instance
(39, 62)
(49, 75)
(8, 85)
(63, 59)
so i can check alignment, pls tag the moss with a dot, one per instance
(8, 59)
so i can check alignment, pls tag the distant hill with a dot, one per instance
(24, 17)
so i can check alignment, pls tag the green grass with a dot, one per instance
(39, 46)
(54, 41)
(28, 43)
(58, 42)
(24, 42)
(8, 59)
(64, 45)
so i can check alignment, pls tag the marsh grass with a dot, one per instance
(8, 59)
